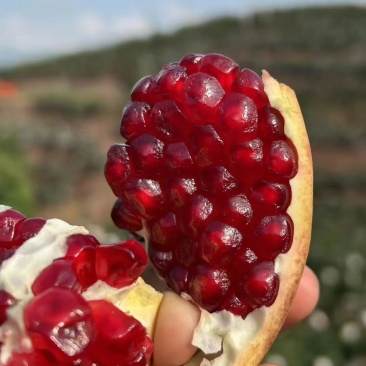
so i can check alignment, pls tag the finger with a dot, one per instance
(305, 299)
(174, 329)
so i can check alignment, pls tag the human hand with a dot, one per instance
(177, 349)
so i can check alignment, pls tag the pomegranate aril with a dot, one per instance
(59, 322)
(245, 260)
(238, 211)
(217, 180)
(125, 216)
(120, 337)
(207, 146)
(221, 67)
(177, 279)
(185, 251)
(143, 91)
(247, 155)
(195, 214)
(119, 265)
(270, 197)
(135, 119)
(271, 125)
(236, 306)
(60, 273)
(28, 229)
(165, 230)
(78, 243)
(178, 158)
(168, 122)
(239, 115)
(170, 80)
(200, 97)
(8, 221)
(162, 260)
(191, 62)
(249, 83)
(282, 159)
(145, 196)
(179, 190)
(261, 285)
(208, 286)
(6, 301)
(219, 243)
(118, 167)
(147, 153)
(273, 236)
(6, 253)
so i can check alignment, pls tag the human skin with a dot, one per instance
(175, 351)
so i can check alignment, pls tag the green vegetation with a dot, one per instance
(69, 104)
(321, 53)
(15, 182)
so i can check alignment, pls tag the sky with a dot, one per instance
(33, 29)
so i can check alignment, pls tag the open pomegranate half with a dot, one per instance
(215, 174)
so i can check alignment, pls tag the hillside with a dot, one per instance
(62, 114)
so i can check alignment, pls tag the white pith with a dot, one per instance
(18, 273)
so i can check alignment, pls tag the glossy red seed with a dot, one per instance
(271, 125)
(207, 146)
(270, 197)
(60, 273)
(261, 285)
(200, 97)
(178, 158)
(143, 91)
(185, 251)
(217, 180)
(59, 322)
(282, 159)
(245, 260)
(191, 62)
(6, 301)
(8, 221)
(162, 260)
(251, 84)
(221, 67)
(165, 230)
(28, 229)
(208, 286)
(170, 80)
(135, 119)
(239, 114)
(179, 190)
(177, 279)
(118, 167)
(236, 306)
(168, 122)
(120, 337)
(247, 155)
(119, 265)
(195, 214)
(145, 196)
(125, 216)
(273, 236)
(238, 211)
(219, 243)
(6, 253)
(147, 153)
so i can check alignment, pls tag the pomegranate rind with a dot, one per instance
(226, 339)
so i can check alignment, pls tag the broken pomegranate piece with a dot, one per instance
(219, 183)
(57, 316)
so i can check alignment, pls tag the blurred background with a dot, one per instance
(66, 69)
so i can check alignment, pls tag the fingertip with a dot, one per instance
(305, 300)
(174, 330)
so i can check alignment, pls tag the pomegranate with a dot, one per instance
(215, 174)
